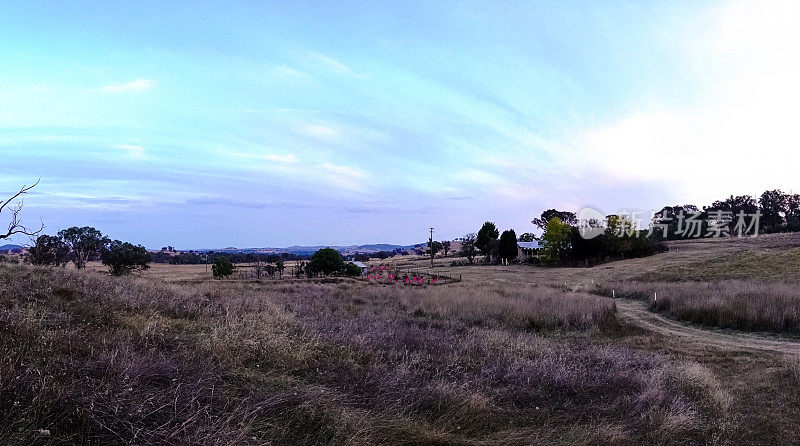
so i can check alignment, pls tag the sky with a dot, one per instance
(253, 124)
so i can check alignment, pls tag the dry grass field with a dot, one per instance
(511, 355)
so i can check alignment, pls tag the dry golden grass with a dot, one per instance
(91, 358)
(512, 355)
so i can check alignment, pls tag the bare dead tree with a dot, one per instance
(16, 226)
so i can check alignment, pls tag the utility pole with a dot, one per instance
(430, 245)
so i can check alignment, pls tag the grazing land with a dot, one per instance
(510, 355)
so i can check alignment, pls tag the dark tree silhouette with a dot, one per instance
(773, 205)
(16, 226)
(49, 250)
(85, 242)
(565, 216)
(123, 258)
(222, 267)
(508, 246)
(485, 240)
(734, 205)
(468, 248)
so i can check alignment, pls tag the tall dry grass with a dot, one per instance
(744, 305)
(86, 358)
(512, 307)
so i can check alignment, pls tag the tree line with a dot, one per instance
(491, 244)
(80, 245)
(325, 262)
(778, 212)
(199, 258)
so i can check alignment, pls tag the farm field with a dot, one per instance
(510, 355)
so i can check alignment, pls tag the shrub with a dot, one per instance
(222, 267)
(352, 270)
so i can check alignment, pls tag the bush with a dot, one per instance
(222, 267)
(352, 270)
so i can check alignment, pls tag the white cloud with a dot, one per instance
(132, 150)
(331, 63)
(345, 171)
(741, 138)
(318, 131)
(285, 159)
(278, 158)
(334, 65)
(132, 86)
(287, 72)
(340, 176)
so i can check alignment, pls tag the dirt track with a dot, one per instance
(636, 313)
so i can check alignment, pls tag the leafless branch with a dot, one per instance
(16, 226)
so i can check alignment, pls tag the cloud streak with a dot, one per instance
(137, 85)
(132, 150)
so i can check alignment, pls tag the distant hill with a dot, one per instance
(10, 247)
(350, 249)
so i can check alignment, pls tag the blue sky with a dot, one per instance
(271, 124)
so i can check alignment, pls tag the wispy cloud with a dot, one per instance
(287, 158)
(343, 177)
(331, 63)
(136, 85)
(334, 65)
(346, 171)
(287, 72)
(132, 149)
(319, 131)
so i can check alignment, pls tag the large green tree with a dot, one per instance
(487, 235)
(325, 261)
(508, 246)
(124, 257)
(85, 242)
(555, 242)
